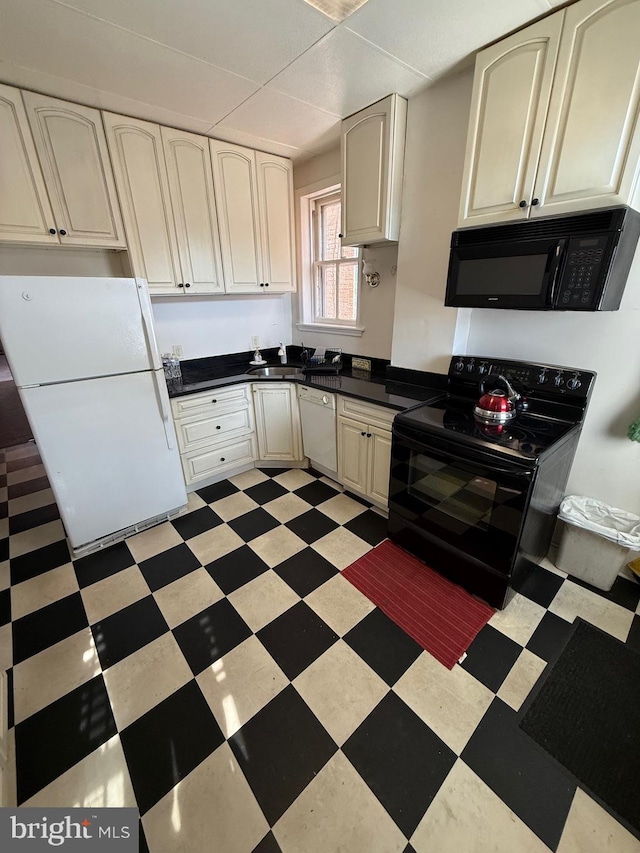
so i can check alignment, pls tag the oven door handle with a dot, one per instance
(514, 472)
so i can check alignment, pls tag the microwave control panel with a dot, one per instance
(580, 283)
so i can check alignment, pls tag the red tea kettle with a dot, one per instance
(500, 405)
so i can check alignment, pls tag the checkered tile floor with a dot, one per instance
(219, 672)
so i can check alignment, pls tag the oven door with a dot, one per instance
(466, 500)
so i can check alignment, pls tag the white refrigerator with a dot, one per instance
(83, 354)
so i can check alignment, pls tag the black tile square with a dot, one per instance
(164, 745)
(10, 700)
(311, 525)
(33, 518)
(168, 566)
(624, 592)
(3, 481)
(520, 773)
(38, 562)
(267, 845)
(5, 606)
(401, 760)
(280, 750)
(28, 487)
(4, 508)
(550, 637)
(220, 490)
(315, 493)
(253, 524)
(633, 639)
(128, 630)
(383, 645)
(4, 549)
(490, 657)
(104, 563)
(262, 493)
(198, 521)
(296, 638)
(305, 571)
(273, 472)
(236, 569)
(539, 585)
(210, 634)
(47, 626)
(54, 739)
(369, 526)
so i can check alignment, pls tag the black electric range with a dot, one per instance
(478, 502)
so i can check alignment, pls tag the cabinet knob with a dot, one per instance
(187, 284)
(63, 232)
(180, 284)
(52, 230)
(363, 434)
(261, 284)
(218, 427)
(341, 236)
(214, 401)
(266, 284)
(523, 203)
(222, 459)
(368, 435)
(535, 202)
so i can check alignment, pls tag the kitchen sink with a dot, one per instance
(283, 370)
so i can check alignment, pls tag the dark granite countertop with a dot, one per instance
(385, 389)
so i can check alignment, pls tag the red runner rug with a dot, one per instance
(438, 614)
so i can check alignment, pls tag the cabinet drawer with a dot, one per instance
(200, 465)
(200, 431)
(210, 401)
(360, 410)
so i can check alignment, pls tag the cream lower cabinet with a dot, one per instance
(215, 431)
(277, 422)
(364, 448)
(555, 117)
(254, 193)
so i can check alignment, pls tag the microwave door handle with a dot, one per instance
(556, 263)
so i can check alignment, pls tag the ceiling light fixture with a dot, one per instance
(337, 10)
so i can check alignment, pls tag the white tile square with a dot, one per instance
(341, 547)
(248, 478)
(35, 537)
(342, 508)
(143, 679)
(338, 603)
(151, 542)
(6, 646)
(33, 472)
(44, 589)
(572, 601)
(286, 507)
(522, 676)
(234, 505)
(519, 619)
(277, 545)
(590, 828)
(187, 596)
(105, 597)
(214, 543)
(5, 575)
(240, 684)
(33, 501)
(341, 690)
(294, 479)
(450, 702)
(263, 600)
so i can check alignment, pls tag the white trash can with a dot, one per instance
(597, 540)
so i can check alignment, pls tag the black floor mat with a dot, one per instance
(587, 716)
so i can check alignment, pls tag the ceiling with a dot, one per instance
(277, 75)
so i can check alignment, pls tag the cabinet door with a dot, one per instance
(379, 441)
(511, 92)
(139, 167)
(194, 209)
(592, 141)
(277, 421)
(234, 177)
(275, 195)
(352, 455)
(75, 163)
(25, 212)
(372, 167)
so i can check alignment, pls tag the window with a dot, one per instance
(335, 268)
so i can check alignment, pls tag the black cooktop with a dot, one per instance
(528, 436)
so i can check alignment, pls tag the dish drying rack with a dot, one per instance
(330, 361)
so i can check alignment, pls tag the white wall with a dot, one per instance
(376, 304)
(216, 325)
(424, 330)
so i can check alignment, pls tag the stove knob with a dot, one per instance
(483, 368)
(459, 365)
(574, 383)
(542, 377)
(526, 446)
(471, 366)
(558, 381)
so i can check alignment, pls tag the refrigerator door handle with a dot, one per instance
(165, 412)
(147, 324)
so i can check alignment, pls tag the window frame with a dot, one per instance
(307, 197)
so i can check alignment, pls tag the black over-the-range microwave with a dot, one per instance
(571, 262)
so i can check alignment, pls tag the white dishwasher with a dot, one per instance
(318, 416)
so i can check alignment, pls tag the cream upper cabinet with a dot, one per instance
(194, 210)
(25, 212)
(591, 149)
(555, 112)
(255, 213)
(72, 150)
(141, 175)
(511, 92)
(372, 168)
